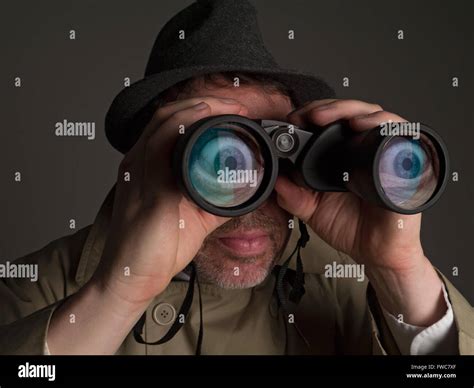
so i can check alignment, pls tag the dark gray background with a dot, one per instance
(64, 178)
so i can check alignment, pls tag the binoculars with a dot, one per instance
(228, 164)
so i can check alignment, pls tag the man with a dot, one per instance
(133, 264)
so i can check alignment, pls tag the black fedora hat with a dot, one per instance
(219, 36)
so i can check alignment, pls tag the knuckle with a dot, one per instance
(159, 114)
(179, 116)
(243, 110)
(353, 102)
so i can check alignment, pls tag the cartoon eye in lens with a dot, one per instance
(230, 152)
(225, 166)
(408, 163)
(408, 171)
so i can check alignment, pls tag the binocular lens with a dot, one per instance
(408, 171)
(226, 166)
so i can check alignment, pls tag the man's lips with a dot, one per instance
(246, 243)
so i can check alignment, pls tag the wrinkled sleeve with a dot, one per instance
(438, 339)
(26, 306)
(26, 335)
(451, 335)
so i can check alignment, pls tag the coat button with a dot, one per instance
(164, 314)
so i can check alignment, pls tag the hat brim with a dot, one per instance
(131, 109)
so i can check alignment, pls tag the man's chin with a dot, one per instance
(235, 273)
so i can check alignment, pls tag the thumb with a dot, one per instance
(295, 199)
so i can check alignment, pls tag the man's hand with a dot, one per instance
(403, 278)
(145, 238)
(146, 235)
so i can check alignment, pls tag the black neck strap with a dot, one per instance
(296, 294)
(179, 321)
(297, 289)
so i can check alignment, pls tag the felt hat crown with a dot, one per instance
(209, 36)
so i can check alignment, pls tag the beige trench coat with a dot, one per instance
(336, 316)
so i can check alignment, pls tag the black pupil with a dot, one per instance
(407, 164)
(231, 163)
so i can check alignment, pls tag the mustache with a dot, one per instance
(256, 219)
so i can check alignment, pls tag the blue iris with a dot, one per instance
(228, 155)
(406, 172)
(407, 163)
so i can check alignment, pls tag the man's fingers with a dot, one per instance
(295, 199)
(313, 104)
(159, 147)
(150, 158)
(297, 116)
(327, 112)
(165, 112)
(181, 119)
(372, 120)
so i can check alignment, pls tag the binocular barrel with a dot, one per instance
(228, 164)
(405, 174)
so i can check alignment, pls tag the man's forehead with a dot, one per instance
(259, 102)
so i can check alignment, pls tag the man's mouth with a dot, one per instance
(245, 243)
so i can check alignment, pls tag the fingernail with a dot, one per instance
(200, 106)
(228, 101)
